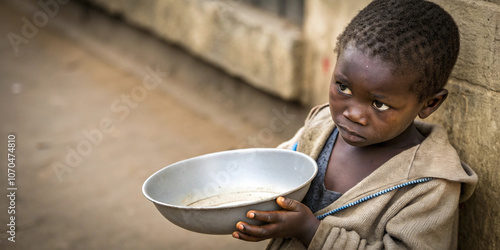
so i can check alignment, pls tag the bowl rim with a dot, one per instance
(274, 197)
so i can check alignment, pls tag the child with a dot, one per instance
(384, 180)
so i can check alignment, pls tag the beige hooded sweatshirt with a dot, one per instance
(410, 202)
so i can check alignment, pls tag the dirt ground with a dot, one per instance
(96, 107)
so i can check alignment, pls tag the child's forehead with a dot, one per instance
(362, 60)
(354, 65)
(388, 58)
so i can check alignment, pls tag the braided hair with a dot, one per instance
(414, 36)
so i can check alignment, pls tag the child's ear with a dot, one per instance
(432, 103)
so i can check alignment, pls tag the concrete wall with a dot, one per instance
(262, 49)
(472, 116)
(296, 64)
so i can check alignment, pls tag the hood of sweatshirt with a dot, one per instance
(435, 157)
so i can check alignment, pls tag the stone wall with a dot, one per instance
(263, 49)
(296, 63)
(472, 116)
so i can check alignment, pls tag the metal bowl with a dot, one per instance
(211, 193)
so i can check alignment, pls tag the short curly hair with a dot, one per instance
(414, 36)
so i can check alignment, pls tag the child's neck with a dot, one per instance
(381, 152)
(409, 138)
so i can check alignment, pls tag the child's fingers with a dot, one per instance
(287, 204)
(266, 216)
(254, 233)
(245, 237)
(274, 216)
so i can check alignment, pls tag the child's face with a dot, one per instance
(369, 103)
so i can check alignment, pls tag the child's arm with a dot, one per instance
(423, 217)
(295, 221)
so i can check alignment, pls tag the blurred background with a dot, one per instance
(102, 94)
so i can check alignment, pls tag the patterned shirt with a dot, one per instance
(318, 197)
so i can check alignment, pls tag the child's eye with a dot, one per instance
(380, 106)
(343, 89)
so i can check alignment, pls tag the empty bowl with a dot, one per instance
(211, 193)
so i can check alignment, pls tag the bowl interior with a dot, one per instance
(230, 178)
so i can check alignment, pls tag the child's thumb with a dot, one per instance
(287, 204)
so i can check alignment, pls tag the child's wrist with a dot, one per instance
(309, 231)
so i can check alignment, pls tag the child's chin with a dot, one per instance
(355, 141)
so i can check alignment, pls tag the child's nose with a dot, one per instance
(355, 113)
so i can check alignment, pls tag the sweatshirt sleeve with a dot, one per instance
(295, 139)
(423, 217)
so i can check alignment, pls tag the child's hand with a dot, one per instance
(295, 221)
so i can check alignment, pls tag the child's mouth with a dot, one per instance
(350, 135)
